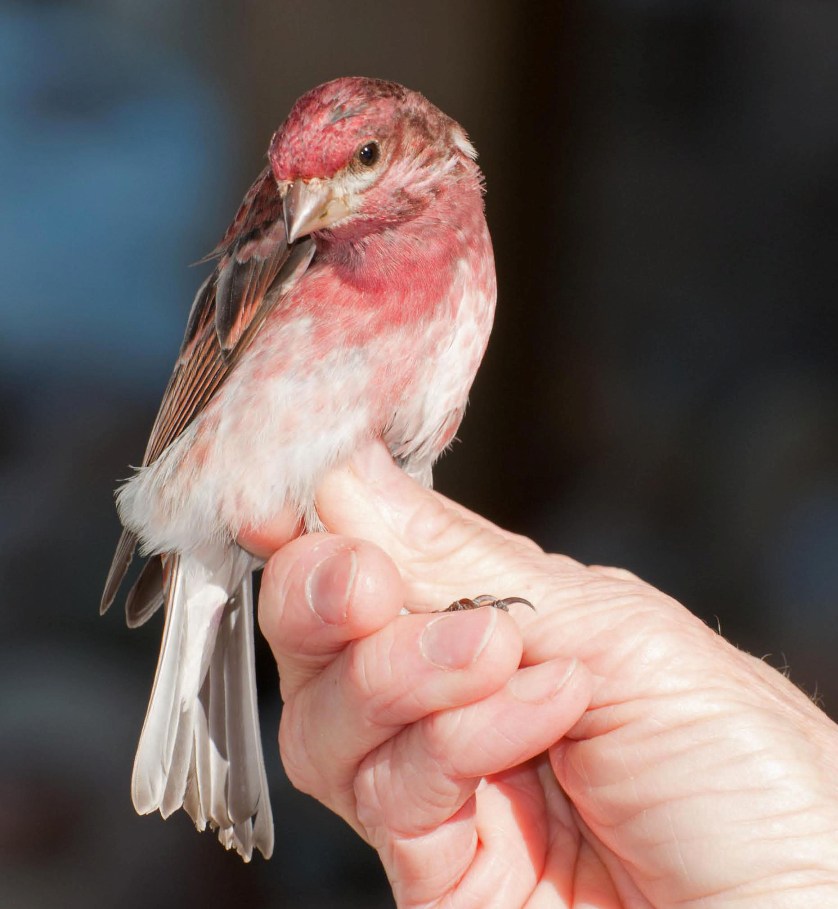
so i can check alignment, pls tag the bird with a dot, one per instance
(351, 299)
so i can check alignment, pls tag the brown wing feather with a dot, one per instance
(255, 266)
(252, 255)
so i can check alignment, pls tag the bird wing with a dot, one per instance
(256, 266)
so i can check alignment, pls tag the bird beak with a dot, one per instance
(310, 206)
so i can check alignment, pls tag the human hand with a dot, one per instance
(657, 765)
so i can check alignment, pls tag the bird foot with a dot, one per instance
(486, 599)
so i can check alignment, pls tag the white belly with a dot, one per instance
(288, 413)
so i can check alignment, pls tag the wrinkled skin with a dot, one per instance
(607, 750)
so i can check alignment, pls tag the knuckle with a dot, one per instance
(619, 574)
(438, 731)
(360, 672)
(367, 791)
(371, 679)
(294, 751)
(431, 525)
(367, 787)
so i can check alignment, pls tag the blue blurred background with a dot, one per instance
(660, 392)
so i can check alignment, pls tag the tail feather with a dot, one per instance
(147, 594)
(245, 783)
(215, 746)
(201, 784)
(174, 792)
(192, 797)
(200, 746)
(151, 765)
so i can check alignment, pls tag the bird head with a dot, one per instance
(358, 155)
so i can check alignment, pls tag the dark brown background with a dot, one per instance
(660, 391)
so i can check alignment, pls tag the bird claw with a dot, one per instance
(486, 599)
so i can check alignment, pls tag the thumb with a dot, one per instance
(443, 551)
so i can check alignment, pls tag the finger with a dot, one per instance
(411, 668)
(487, 855)
(264, 540)
(443, 551)
(452, 803)
(422, 777)
(512, 833)
(318, 593)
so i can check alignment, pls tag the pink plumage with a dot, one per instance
(370, 323)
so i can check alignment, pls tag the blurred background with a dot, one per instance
(660, 391)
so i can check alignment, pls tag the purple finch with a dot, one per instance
(352, 299)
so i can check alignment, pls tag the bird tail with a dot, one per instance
(200, 747)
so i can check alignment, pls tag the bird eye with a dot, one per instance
(368, 154)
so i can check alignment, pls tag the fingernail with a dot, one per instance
(537, 684)
(329, 585)
(456, 640)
